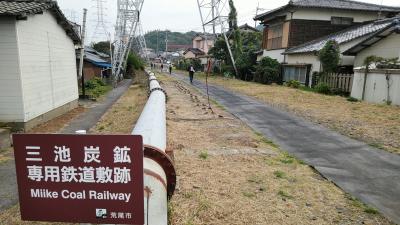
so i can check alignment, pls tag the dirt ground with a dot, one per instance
(227, 174)
(122, 117)
(377, 125)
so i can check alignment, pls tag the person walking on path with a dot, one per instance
(170, 69)
(162, 67)
(191, 73)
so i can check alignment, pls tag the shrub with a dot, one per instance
(96, 87)
(293, 84)
(323, 88)
(267, 71)
(135, 62)
(352, 99)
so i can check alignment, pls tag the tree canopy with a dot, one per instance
(102, 46)
(329, 56)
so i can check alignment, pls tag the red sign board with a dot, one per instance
(80, 178)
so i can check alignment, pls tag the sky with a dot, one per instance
(174, 15)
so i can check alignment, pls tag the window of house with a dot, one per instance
(342, 20)
(298, 73)
(275, 33)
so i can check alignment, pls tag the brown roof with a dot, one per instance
(195, 51)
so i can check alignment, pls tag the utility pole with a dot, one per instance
(81, 76)
(213, 15)
(166, 41)
(157, 43)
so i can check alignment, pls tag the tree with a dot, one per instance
(246, 62)
(102, 46)
(232, 17)
(220, 50)
(173, 37)
(329, 56)
(134, 62)
(268, 71)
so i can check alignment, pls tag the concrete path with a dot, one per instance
(88, 119)
(8, 183)
(370, 174)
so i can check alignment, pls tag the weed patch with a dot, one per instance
(203, 155)
(284, 194)
(279, 174)
(249, 194)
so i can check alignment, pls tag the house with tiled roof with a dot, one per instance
(192, 53)
(203, 42)
(301, 61)
(380, 84)
(301, 21)
(38, 73)
(385, 43)
(247, 28)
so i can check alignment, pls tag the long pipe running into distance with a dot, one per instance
(159, 172)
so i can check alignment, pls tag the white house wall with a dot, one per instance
(326, 14)
(376, 90)
(11, 106)
(305, 59)
(48, 65)
(387, 48)
(275, 54)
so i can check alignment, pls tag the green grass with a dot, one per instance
(287, 158)
(284, 194)
(255, 179)
(217, 104)
(377, 145)
(249, 194)
(279, 174)
(265, 140)
(357, 203)
(203, 155)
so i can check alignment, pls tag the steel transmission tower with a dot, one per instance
(100, 32)
(142, 41)
(214, 16)
(125, 29)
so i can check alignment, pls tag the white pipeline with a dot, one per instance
(159, 172)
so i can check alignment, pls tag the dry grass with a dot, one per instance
(121, 118)
(56, 124)
(6, 154)
(377, 125)
(12, 217)
(226, 173)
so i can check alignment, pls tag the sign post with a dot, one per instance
(80, 178)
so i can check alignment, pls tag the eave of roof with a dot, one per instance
(195, 51)
(377, 37)
(23, 8)
(341, 37)
(329, 4)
